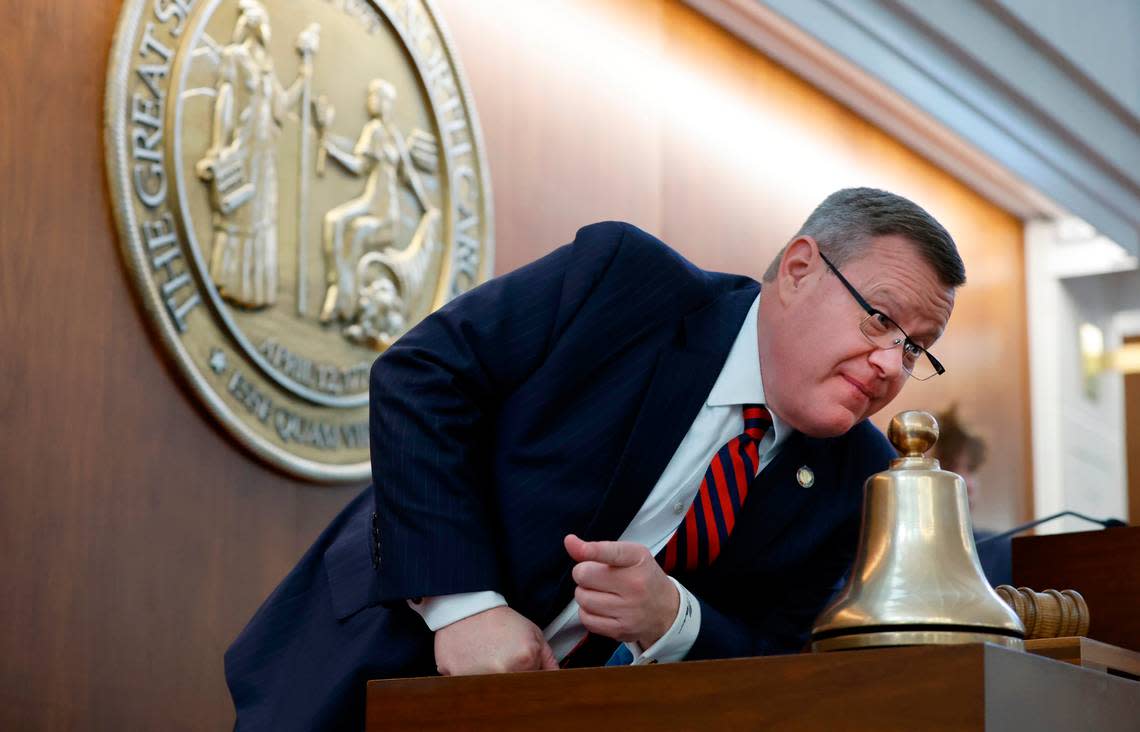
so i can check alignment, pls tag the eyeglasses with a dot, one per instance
(885, 333)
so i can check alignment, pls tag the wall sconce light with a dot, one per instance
(1095, 360)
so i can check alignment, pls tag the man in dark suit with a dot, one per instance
(610, 455)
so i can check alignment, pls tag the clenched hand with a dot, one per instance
(493, 641)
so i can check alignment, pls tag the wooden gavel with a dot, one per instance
(1048, 614)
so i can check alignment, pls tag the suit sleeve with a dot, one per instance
(780, 622)
(433, 397)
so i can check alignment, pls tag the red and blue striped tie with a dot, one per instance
(711, 518)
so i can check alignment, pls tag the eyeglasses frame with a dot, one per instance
(871, 311)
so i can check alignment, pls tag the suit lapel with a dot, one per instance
(776, 495)
(684, 374)
(682, 379)
(679, 386)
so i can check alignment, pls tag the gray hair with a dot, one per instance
(847, 220)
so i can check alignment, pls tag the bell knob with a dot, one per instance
(913, 432)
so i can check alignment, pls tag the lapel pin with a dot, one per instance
(805, 477)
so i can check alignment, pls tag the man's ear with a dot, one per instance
(800, 261)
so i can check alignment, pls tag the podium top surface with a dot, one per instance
(966, 687)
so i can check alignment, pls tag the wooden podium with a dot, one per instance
(959, 688)
(1103, 565)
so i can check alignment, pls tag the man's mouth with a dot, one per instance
(863, 388)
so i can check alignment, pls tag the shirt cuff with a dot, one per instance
(444, 610)
(675, 644)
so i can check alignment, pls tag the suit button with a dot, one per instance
(678, 508)
(375, 540)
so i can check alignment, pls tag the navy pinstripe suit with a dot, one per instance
(545, 402)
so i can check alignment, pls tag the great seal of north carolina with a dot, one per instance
(296, 184)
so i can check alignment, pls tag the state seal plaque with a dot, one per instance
(296, 183)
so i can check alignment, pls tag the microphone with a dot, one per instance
(1109, 523)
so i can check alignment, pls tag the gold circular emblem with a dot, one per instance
(296, 184)
(805, 477)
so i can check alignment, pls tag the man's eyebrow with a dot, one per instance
(890, 307)
(883, 297)
(924, 338)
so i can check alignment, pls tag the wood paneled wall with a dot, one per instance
(642, 110)
(1132, 438)
(137, 538)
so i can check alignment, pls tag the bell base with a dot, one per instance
(885, 638)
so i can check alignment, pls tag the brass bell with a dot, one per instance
(916, 578)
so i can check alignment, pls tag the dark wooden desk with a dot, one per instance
(1089, 653)
(931, 688)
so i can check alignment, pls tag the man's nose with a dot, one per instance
(888, 361)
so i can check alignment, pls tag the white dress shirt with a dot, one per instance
(719, 420)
